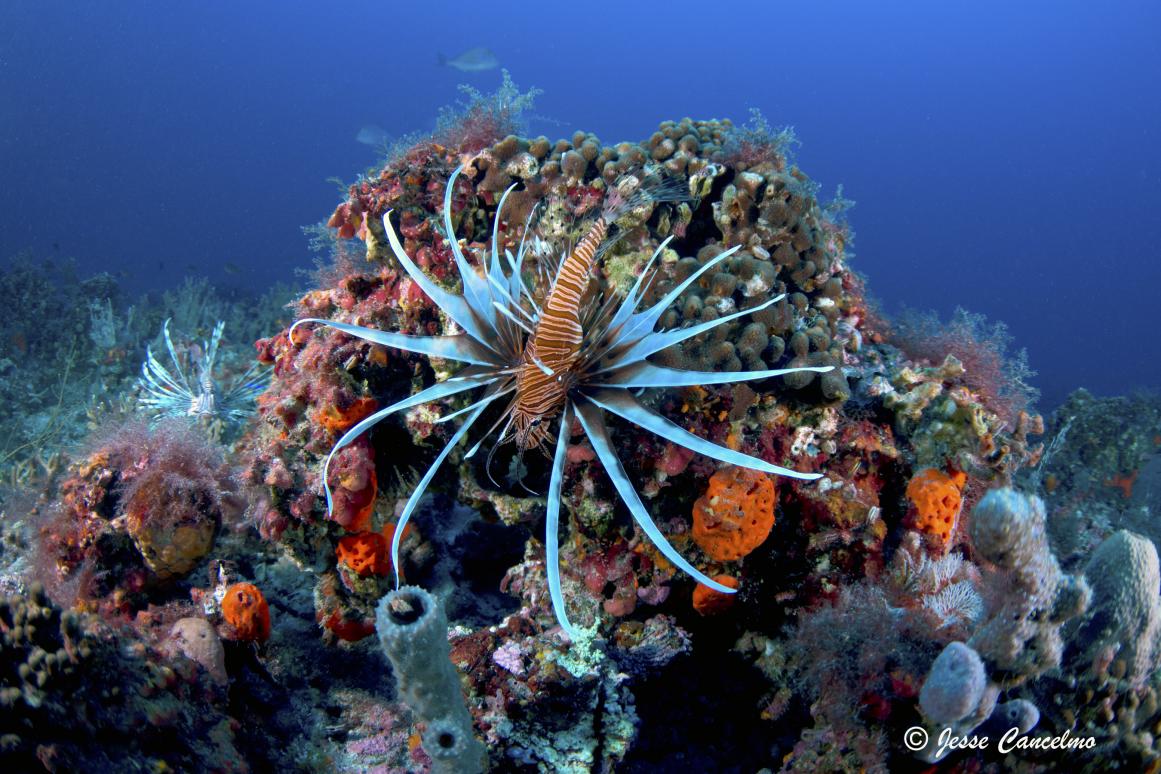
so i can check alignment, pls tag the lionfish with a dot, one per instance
(557, 358)
(168, 394)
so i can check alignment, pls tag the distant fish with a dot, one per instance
(232, 268)
(375, 136)
(474, 60)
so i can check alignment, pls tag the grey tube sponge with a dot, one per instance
(954, 686)
(412, 629)
(1021, 636)
(1124, 620)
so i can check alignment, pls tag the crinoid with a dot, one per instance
(168, 394)
(501, 322)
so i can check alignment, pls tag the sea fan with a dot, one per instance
(498, 314)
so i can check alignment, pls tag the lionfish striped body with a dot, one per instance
(553, 352)
(565, 358)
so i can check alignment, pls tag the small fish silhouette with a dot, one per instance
(474, 60)
(373, 135)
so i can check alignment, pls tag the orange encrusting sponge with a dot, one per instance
(736, 513)
(707, 601)
(246, 611)
(339, 420)
(936, 497)
(365, 553)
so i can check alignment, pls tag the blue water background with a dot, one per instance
(1004, 156)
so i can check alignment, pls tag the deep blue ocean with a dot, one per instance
(1004, 157)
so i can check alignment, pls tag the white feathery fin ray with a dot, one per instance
(495, 269)
(460, 347)
(421, 487)
(516, 282)
(477, 294)
(594, 426)
(154, 371)
(552, 525)
(624, 405)
(211, 353)
(634, 295)
(649, 375)
(435, 391)
(452, 305)
(662, 339)
(173, 356)
(641, 323)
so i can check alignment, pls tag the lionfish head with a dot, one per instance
(531, 432)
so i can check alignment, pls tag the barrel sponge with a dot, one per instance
(1125, 614)
(412, 629)
(954, 686)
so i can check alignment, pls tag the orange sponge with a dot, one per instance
(936, 497)
(246, 611)
(338, 420)
(736, 513)
(707, 601)
(365, 553)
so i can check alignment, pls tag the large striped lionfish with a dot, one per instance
(556, 358)
(202, 395)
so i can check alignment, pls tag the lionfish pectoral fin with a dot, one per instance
(211, 353)
(158, 379)
(594, 427)
(434, 392)
(633, 297)
(421, 487)
(648, 375)
(173, 356)
(659, 340)
(477, 294)
(625, 406)
(641, 323)
(495, 269)
(552, 526)
(460, 347)
(504, 311)
(456, 307)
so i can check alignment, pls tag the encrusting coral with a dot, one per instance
(140, 511)
(77, 696)
(898, 579)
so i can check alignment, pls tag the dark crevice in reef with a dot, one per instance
(697, 714)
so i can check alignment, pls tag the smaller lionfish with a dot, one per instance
(558, 358)
(169, 394)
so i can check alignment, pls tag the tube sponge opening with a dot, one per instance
(412, 629)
